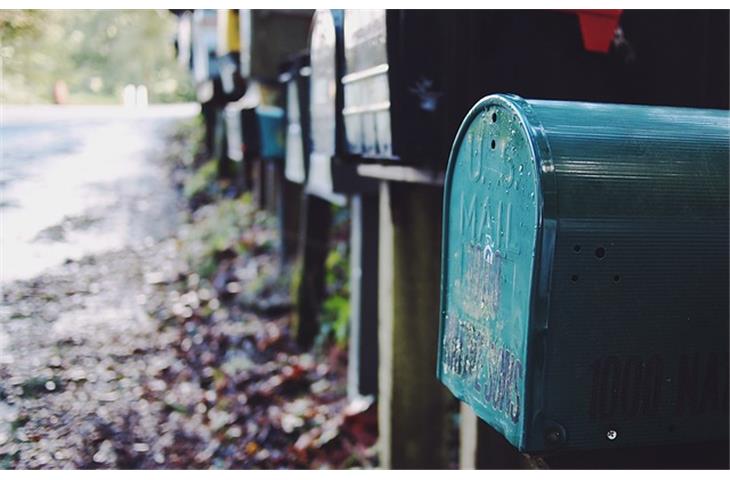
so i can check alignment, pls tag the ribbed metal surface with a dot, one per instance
(627, 335)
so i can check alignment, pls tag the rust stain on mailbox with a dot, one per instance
(585, 273)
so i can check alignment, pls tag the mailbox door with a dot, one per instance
(492, 215)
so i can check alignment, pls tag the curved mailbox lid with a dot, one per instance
(325, 101)
(581, 237)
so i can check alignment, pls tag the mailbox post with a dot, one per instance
(585, 273)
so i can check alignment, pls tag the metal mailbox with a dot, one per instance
(399, 103)
(329, 177)
(267, 36)
(229, 57)
(295, 80)
(325, 102)
(206, 73)
(271, 129)
(242, 132)
(584, 293)
(184, 40)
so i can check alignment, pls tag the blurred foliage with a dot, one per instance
(227, 228)
(189, 138)
(94, 52)
(196, 174)
(202, 180)
(335, 315)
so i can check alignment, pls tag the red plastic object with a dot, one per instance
(597, 28)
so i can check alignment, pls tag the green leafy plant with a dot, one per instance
(201, 180)
(336, 316)
(335, 313)
(231, 227)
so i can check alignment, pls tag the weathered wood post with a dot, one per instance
(290, 215)
(314, 242)
(413, 407)
(226, 167)
(362, 366)
(481, 447)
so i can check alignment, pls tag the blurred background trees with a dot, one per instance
(94, 53)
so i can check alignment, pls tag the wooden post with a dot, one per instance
(481, 447)
(314, 244)
(259, 183)
(289, 216)
(220, 146)
(413, 407)
(247, 175)
(208, 111)
(362, 366)
(273, 185)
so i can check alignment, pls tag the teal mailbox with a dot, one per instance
(271, 124)
(584, 283)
